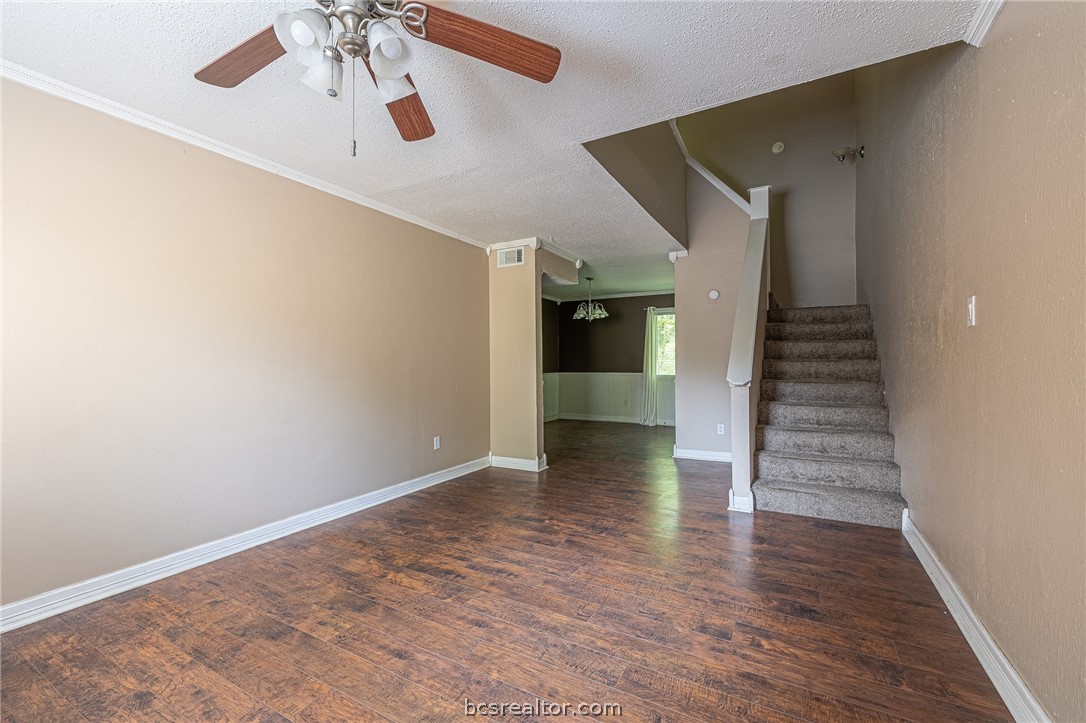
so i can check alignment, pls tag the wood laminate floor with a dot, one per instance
(617, 577)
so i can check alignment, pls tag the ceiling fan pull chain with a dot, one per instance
(354, 105)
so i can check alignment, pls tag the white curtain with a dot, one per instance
(648, 388)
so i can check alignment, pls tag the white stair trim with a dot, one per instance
(740, 504)
(1010, 686)
(703, 455)
(524, 465)
(32, 609)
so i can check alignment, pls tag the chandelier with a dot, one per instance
(588, 309)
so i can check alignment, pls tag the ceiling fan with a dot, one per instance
(320, 38)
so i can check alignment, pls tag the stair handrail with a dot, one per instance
(745, 358)
(752, 291)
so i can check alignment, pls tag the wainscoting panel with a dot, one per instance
(665, 400)
(609, 397)
(551, 384)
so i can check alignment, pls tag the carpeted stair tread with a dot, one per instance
(811, 349)
(866, 507)
(840, 442)
(821, 370)
(825, 469)
(821, 314)
(824, 415)
(793, 331)
(809, 390)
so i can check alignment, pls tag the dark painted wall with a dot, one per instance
(550, 336)
(614, 344)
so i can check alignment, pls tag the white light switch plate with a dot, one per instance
(437, 442)
(971, 311)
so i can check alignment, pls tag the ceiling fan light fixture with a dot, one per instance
(390, 56)
(302, 34)
(325, 77)
(394, 90)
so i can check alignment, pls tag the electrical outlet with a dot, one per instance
(437, 442)
(720, 429)
(971, 311)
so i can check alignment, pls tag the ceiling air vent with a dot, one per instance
(511, 257)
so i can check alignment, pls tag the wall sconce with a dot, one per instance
(847, 156)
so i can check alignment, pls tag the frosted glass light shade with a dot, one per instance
(325, 77)
(302, 34)
(390, 56)
(393, 90)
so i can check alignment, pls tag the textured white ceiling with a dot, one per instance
(507, 160)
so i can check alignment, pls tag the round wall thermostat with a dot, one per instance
(778, 147)
(714, 294)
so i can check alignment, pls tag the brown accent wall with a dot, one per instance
(975, 184)
(550, 336)
(614, 344)
(187, 356)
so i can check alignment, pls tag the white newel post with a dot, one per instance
(745, 362)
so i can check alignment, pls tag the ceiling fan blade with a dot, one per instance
(409, 114)
(411, 117)
(243, 61)
(492, 44)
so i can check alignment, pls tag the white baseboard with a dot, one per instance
(54, 602)
(740, 504)
(702, 454)
(1016, 695)
(599, 418)
(552, 418)
(525, 465)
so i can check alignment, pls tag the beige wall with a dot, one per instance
(974, 184)
(516, 359)
(703, 327)
(194, 347)
(812, 206)
(649, 164)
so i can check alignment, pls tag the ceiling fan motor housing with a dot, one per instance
(353, 16)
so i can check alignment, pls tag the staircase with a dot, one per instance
(823, 440)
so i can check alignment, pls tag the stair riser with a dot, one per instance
(845, 370)
(883, 478)
(853, 349)
(847, 393)
(796, 415)
(807, 332)
(857, 445)
(821, 314)
(881, 513)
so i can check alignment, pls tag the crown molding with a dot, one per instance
(32, 79)
(982, 22)
(533, 241)
(562, 253)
